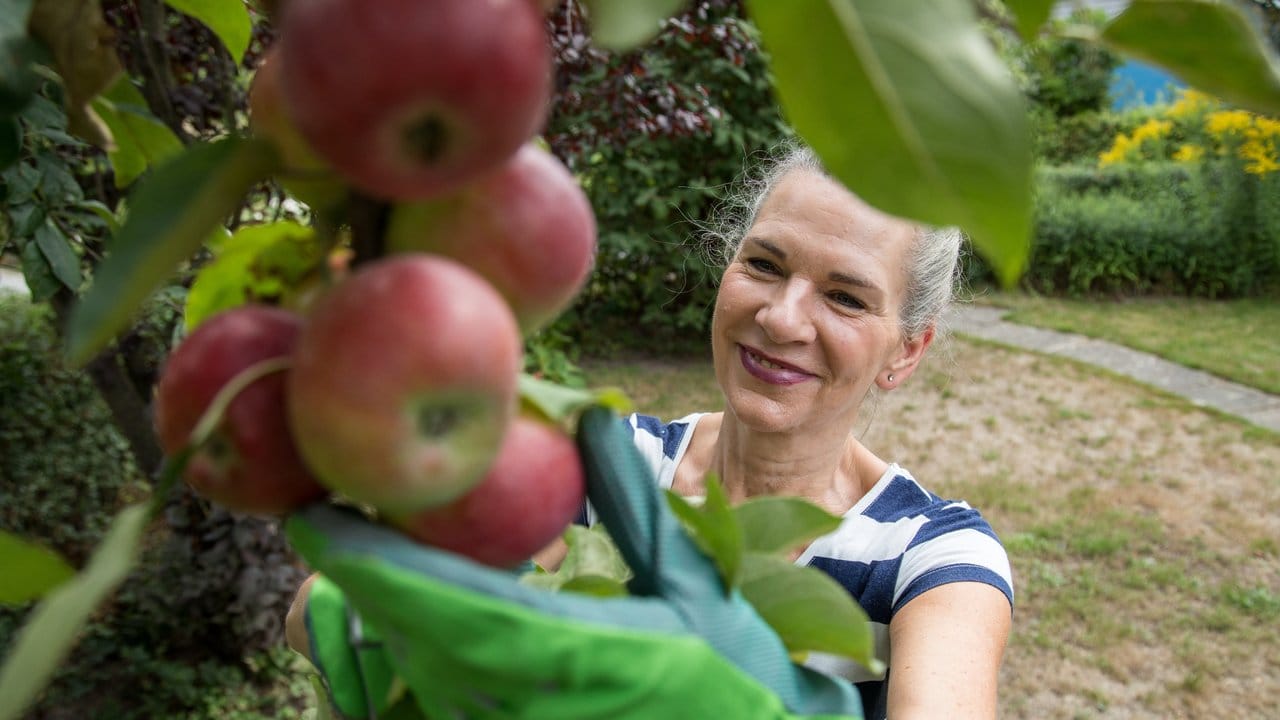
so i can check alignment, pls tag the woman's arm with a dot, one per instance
(945, 651)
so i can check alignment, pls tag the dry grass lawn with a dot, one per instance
(1144, 532)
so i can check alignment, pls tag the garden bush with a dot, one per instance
(1199, 229)
(212, 588)
(656, 136)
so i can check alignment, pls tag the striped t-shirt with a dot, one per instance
(896, 542)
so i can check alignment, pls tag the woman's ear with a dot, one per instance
(905, 361)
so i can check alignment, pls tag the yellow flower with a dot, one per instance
(1228, 122)
(1188, 153)
(1261, 155)
(1151, 130)
(1266, 127)
(1119, 151)
(1190, 102)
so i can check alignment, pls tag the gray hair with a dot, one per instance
(933, 262)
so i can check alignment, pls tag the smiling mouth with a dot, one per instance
(770, 371)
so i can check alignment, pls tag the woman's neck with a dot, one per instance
(827, 470)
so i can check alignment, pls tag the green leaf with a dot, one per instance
(909, 106)
(228, 19)
(773, 524)
(1031, 15)
(807, 609)
(171, 213)
(25, 217)
(1213, 46)
(141, 140)
(560, 404)
(621, 25)
(592, 564)
(254, 264)
(57, 251)
(10, 141)
(31, 570)
(18, 53)
(36, 272)
(53, 626)
(714, 528)
(595, 586)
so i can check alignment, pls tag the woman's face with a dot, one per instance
(806, 318)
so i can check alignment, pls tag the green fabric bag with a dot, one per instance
(399, 629)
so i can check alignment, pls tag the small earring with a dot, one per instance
(890, 377)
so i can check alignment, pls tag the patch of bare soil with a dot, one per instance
(1143, 532)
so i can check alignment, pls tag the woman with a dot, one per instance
(825, 301)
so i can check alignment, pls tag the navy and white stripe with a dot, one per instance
(898, 541)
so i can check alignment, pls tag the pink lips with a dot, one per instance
(784, 375)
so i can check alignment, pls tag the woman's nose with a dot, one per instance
(787, 315)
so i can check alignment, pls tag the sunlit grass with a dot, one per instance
(1234, 339)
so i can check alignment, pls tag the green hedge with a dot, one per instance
(62, 463)
(203, 609)
(1204, 230)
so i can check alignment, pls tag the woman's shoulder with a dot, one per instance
(901, 539)
(657, 439)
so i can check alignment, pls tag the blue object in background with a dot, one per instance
(1135, 84)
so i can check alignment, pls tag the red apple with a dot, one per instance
(527, 228)
(533, 491)
(404, 382)
(250, 463)
(411, 98)
(305, 176)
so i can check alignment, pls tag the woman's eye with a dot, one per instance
(847, 300)
(763, 266)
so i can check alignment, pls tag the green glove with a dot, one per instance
(414, 629)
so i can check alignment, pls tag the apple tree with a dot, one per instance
(390, 114)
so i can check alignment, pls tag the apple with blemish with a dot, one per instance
(404, 382)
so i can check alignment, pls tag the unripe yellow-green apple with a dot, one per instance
(250, 463)
(527, 499)
(304, 176)
(527, 228)
(404, 382)
(409, 99)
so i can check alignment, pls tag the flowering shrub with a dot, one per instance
(1197, 128)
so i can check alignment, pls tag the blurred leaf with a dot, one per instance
(18, 80)
(24, 218)
(228, 19)
(714, 528)
(808, 609)
(103, 212)
(560, 404)
(909, 106)
(595, 586)
(1031, 15)
(255, 264)
(171, 213)
(53, 626)
(621, 25)
(36, 272)
(141, 140)
(57, 184)
(592, 565)
(57, 251)
(20, 181)
(775, 524)
(84, 54)
(10, 141)
(31, 570)
(1213, 46)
